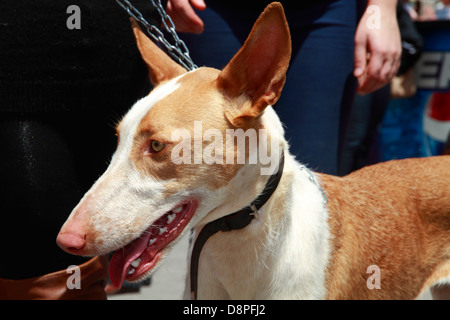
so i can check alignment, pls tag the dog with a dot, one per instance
(382, 232)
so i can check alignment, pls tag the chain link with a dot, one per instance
(178, 50)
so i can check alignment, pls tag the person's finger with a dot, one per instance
(184, 17)
(395, 65)
(198, 4)
(360, 58)
(373, 76)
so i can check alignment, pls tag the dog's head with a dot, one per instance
(174, 167)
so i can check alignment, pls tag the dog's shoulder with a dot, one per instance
(404, 171)
(417, 190)
(395, 178)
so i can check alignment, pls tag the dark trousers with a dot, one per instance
(316, 100)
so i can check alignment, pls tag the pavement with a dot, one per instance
(168, 282)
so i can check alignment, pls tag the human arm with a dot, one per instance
(377, 46)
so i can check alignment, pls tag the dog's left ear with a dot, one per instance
(258, 70)
(160, 66)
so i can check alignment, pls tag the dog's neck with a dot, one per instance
(234, 221)
(297, 201)
(290, 223)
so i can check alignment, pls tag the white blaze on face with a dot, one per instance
(123, 193)
(134, 117)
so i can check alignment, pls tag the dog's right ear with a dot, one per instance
(161, 67)
(258, 71)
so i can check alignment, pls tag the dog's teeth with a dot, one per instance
(132, 270)
(170, 218)
(162, 230)
(152, 241)
(136, 262)
(177, 209)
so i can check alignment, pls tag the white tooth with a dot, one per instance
(170, 218)
(132, 270)
(152, 241)
(136, 262)
(178, 209)
(162, 230)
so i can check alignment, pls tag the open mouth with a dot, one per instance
(138, 258)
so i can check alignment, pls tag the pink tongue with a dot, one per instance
(122, 258)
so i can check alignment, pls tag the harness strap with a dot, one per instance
(235, 221)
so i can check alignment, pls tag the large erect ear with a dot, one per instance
(258, 70)
(161, 67)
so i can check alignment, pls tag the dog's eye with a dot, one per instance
(156, 146)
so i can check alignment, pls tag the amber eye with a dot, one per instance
(156, 146)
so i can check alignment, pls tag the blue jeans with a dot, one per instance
(316, 100)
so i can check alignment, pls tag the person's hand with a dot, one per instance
(377, 49)
(183, 15)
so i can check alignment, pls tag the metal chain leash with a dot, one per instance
(178, 50)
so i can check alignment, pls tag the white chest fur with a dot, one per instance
(282, 254)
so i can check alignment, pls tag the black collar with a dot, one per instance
(234, 221)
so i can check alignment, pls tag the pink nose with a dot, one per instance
(71, 242)
(73, 237)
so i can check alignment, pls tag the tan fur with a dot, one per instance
(256, 73)
(161, 121)
(395, 215)
(164, 69)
